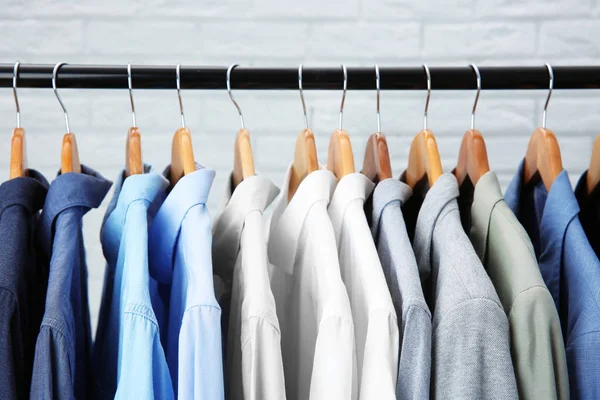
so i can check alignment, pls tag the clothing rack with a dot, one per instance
(81, 76)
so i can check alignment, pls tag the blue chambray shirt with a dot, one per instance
(570, 269)
(61, 368)
(185, 304)
(129, 360)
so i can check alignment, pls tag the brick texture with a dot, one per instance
(270, 32)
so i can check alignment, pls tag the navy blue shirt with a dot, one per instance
(61, 367)
(571, 271)
(23, 281)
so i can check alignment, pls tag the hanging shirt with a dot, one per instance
(589, 214)
(317, 333)
(62, 368)
(187, 310)
(570, 269)
(402, 276)
(128, 356)
(254, 365)
(23, 281)
(507, 254)
(471, 345)
(375, 322)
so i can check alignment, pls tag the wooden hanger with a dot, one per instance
(472, 157)
(18, 154)
(305, 160)
(69, 156)
(133, 147)
(340, 159)
(593, 174)
(543, 152)
(376, 163)
(243, 160)
(543, 157)
(182, 155)
(133, 153)
(423, 159)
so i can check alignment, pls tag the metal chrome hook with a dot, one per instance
(15, 75)
(302, 96)
(131, 94)
(54, 76)
(378, 86)
(428, 95)
(551, 73)
(231, 67)
(476, 96)
(343, 95)
(178, 80)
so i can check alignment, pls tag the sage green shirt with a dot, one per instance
(537, 347)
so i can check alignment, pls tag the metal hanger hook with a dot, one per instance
(551, 73)
(378, 87)
(428, 74)
(54, 76)
(131, 94)
(15, 76)
(343, 94)
(178, 81)
(231, 67)
(478, 75)
(302, 96)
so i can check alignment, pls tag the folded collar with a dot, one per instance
(288, 219)
(487, 194)
(28, 191)
(387, 192)
(351, 187)
(191, 190)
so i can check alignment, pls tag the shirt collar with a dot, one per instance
(487, 194)
(254, 193)
(444, 191)
(28, 191)
(149, 186)
(288, 219)
(84, 190)
(351, 187)
(190, 191)
(387, 192)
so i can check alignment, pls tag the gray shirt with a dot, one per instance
(506, 251)
(402, 276)
(471, 346)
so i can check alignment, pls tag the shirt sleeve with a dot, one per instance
(583, 359)
(143, 367)
(200, 354)
(52, 378)
(472, 353)
(537, 346)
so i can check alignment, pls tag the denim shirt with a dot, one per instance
(128, 356)
(570, 269)
(188, 314)
(62, 367)
(23, 281)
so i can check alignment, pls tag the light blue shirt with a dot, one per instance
(128, 357)
(570, 269)
(188, 313)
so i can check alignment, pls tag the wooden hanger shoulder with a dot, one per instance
(182, 155)
(133, 153)
(305, 160)
(376, 162)
(18, 154)
(593, 174)
(70, 154)
(243, 160)
(543, 156)
(340, 159)
(472, 158)
(423, 159)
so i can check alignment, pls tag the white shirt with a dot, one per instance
(312, 303)
(373, 313)
(254, 366)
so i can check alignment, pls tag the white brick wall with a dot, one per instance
(286, 33)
